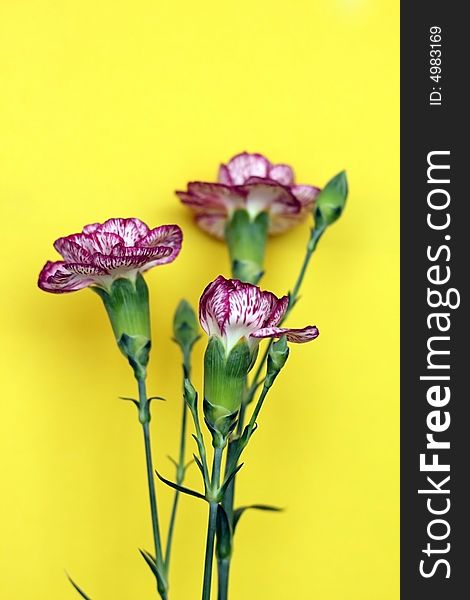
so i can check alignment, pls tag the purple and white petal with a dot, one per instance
(212, 224)
(305, 194)
(283, 174)
(214, 307)
(224, 175)
(245, 165)
(298, 336)
(125, 258)
(71, 251)
(270, 197)
(169, 236)
(58, 277)
(278, 312)
(130, 230)
(97, 241)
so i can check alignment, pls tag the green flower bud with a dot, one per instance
(190, 395)
(277, 357)
(127, 305)
(224, 383)
(246, 240)
(330, 202)
(185, 327)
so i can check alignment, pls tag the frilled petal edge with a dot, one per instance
(60, 277)
(298, 336)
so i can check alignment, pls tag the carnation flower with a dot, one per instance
(251, 198)
(232, 310)
(110, 258)
(250, 182)
(236, 316)
(102, 253)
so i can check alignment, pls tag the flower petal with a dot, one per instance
(98, 241)
(269, 196)
(71, 251)
(124, 258)
(212, 224)
(224, 175)
(298, 336)
(278, 312)
(214, 306)
(282, 174)
(130, 230)
(305, 194)
(59, 277)
(169, 236)
(245, 165)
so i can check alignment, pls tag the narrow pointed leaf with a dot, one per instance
(133, 400)
(237, 513)
(79, 590)
(156, 570)
(224, 534)
(228, 479)
(180, 488)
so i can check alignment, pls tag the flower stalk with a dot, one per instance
(185, 330)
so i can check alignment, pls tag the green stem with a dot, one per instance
(228, 501)
(144, 417)
(211, 527)
(223, 572)
(179, 469)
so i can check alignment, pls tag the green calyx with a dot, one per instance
(331, 201)
(246, 241)
(127, 305)
(224, 385)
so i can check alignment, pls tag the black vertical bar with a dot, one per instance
(434, 122)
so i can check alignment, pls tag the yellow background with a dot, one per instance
(105, 109)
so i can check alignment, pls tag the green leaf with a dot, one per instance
(180, 488)
(237, 513)
(157, 570)
(224, 534)
(79, 590)
(228, 479)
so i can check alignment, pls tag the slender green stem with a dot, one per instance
(145, 419)
(223, 573)
(228, 501)
(180, 469)
(211, 527)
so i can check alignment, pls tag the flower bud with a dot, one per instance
(185, 326)
(331, 201)
(246, 240)
(127, 305)
(277, 357)
(190, 395)
(224, 383)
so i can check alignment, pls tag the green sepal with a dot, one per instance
(220, 422)
(127, 305)
(277, 357)
(331, 201)
(224, 537)
(78, 589)
(224, 383)
(158, 571)
(246, 240)
(238, 512)
(185, 327)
